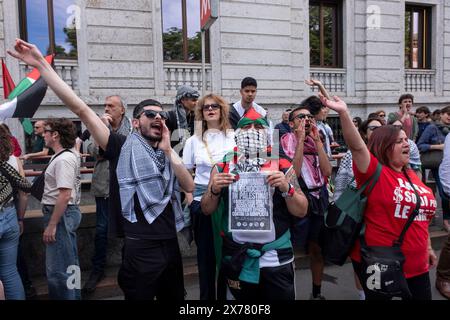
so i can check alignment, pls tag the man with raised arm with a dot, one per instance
(143, 161)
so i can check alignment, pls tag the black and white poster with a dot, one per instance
(250, 203)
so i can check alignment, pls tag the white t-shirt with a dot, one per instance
(240, 109)
(13, 162)
(195, 153)
(63, 172)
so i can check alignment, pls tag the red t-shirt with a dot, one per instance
(389, 205)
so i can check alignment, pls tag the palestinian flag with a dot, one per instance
(26, 98)
(8, 83)
(252, 116)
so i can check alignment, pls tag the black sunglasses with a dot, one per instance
(303, 116)
(193, 96)
(151, 114)
(214, 106)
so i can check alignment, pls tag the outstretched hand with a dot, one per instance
(313, 82)
(337, 104)
(27, 53)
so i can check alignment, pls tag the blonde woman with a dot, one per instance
(211, 141)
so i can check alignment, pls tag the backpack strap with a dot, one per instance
(371, 181)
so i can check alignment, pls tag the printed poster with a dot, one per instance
(250, 203)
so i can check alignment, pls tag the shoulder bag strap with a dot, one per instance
(65, 150)
(399, 241)
(372, 180)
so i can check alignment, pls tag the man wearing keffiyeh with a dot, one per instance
(304, 146)
(182, 117)
(255, 264)
(144, 190)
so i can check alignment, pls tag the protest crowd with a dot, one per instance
(248, 193)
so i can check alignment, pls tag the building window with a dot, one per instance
(417, 37)
(325, 34)
(50, 24)
(181, 31)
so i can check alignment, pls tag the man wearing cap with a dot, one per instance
(255, 264)
(182, 117)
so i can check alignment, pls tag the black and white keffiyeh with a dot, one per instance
(10, 179)
(344, 175)
(143, 170)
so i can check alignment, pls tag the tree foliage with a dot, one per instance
(173, 46)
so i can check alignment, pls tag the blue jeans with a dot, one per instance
(101, 234)
(9, 243)
(62, 254)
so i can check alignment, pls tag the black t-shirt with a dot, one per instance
(162, 228)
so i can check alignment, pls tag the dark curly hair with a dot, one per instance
(6, 147)
(66, 130)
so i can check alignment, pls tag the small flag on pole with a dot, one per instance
(26, 97)
(8, 83)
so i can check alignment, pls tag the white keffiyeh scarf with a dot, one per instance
(146, 172)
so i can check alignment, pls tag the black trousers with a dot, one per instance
(206, 259)
(152, 269)
(419, 286)
(275, 283)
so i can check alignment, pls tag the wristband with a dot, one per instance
(289, 193)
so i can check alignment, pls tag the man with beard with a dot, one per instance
(116, 120)
(255, 264)
(182, 117)
(145, 177)
(304, 146)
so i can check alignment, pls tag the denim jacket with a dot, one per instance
(431, 136)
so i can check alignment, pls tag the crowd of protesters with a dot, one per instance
(164, 172)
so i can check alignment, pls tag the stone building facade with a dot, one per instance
(120, 51)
